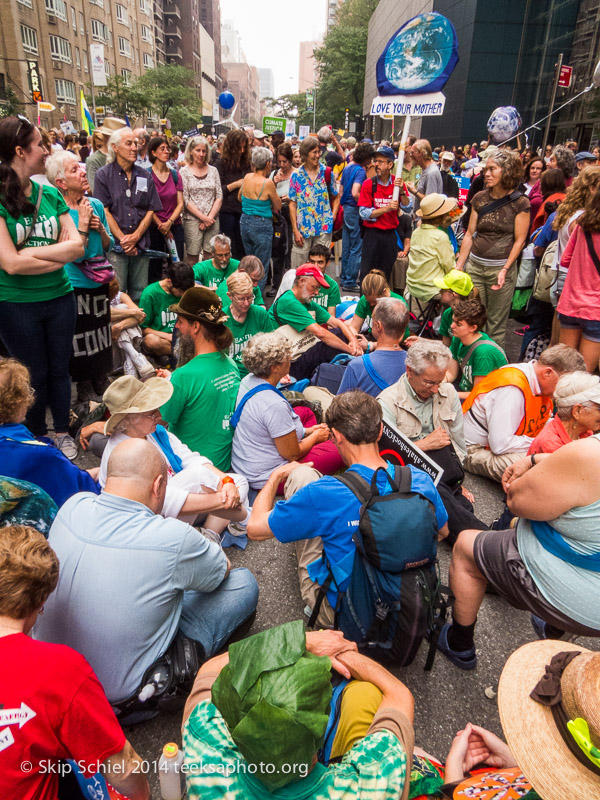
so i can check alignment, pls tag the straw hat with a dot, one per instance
(436, 205)
(553, 768)
(128, 395)
(110, 125)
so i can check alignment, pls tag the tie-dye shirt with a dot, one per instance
(313, 209)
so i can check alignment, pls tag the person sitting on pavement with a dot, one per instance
(536, 566)
(22, 455)
(474, 354)
(194, 486)
(425, 407)
(306, 324)
(507, 409)
(577, 402)
(244, 317)
(268, 431)
(454, 286)
(212, 272)
(206, 386)
(372, 373)
(156, 298)
(165, 576)
(329, 297)
(125, 319)
(374, 287)
(51, 691)
(253, 267)
(319, 512)
(280, 759)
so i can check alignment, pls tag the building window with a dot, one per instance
(77, 58)
(122, 15)
(148, 61)
(124, 47)
(97, 3)
(27, 3)
(57, 8)
(65, 91)
(73, 19)
(146, 34)
(60, 49)
(29, 39)
(107, 69)
(85, 61)
(81, 24)
(126, 75)
(99, 31)
(145, 7)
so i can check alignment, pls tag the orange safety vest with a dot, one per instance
(538, 407)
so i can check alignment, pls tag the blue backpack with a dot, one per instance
(394, 589)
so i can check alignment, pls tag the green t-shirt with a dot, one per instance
(484, 359)
(257, 321)
(328, 297)
(446, 322)
(364, 311)
(221, 291)
(155, 302)
(203, 401)
(291, 311)
(210, 276)
(36, 288)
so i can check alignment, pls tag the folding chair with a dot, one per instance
(422, 315)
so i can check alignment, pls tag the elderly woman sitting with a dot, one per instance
(268, 432)
(426, 408)
(577, 400)
(195, 487)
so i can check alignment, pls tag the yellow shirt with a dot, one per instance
(430, 257)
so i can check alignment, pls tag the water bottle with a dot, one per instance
(170, 776)
(172, 248)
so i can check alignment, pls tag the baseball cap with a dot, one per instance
(447, 156)
(258, 134)
(585, 155)
(385, 151)
(278, 132)
(435, 156)
(456, 281)
(310, 271)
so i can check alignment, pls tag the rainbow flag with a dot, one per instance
(87, 123)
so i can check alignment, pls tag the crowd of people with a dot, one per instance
(135, 275)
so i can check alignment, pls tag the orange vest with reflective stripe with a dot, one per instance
(538, 407)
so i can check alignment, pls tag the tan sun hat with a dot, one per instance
(110, 125)
(128, 395)
(551, 759)
(435, 205)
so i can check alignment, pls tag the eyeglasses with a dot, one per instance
(248, 298)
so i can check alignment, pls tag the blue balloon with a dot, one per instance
(226, 100)
(420, 56)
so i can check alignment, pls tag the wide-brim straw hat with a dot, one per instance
(128, 395)
(110, 125)
(529, 727)
(436, 205)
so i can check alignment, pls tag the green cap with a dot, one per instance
(456, 281)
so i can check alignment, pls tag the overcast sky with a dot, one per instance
(271, 33)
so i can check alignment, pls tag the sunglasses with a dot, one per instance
(22, 121)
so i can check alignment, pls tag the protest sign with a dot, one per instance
(397, 448)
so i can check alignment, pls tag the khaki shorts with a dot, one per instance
(499, 561)
(197, 241)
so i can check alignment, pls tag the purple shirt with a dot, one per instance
(167, 193)
(111, 187)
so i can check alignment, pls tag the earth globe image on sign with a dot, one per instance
(419, 57)
(504, 123)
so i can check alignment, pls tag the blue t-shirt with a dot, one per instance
(352, 174)
(389, 364)
(547, 234)
(328, 509)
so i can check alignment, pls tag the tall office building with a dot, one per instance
(210, 17)
(307, 66)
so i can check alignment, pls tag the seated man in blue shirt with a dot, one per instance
(320, 513)
(378, 369)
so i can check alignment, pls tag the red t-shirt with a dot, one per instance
(383, 197)
(52, 707)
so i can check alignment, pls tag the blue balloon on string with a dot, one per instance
(420, 56)
(226, 100)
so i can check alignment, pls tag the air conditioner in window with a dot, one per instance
(57, 65)
(51, 17)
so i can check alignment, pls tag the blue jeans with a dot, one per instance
(132, 273)
(257, 236)
(40, 335)
(211, 617)
(351, 246)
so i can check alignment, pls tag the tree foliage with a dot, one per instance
(291, 106)
(10, 104)
(122, 98)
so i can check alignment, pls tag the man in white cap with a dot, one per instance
(448, 181)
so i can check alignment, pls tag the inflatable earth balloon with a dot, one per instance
(504, 123)
(226, 100)
(596, 76)
(419, 57)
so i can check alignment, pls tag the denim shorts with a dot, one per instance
(590, 328)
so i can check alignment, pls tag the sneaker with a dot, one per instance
(540, 626)
(212, 536)
(463, 659)
(144, 368)
(354, 288)
(129, 367)
(66, 445)
(236, 529)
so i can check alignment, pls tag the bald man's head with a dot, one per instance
(136, 459)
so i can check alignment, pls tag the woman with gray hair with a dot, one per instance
(577, 401)
(260, 201)
(202, 199)
(268, 431)
(497, 233)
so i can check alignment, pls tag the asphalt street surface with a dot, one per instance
(445, 698)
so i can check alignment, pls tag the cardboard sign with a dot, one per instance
(397, 448)
(412, 105)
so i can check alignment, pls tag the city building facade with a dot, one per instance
(307, 66)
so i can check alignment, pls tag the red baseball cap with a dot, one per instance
(310, 271)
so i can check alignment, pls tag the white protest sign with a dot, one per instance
(413, 105)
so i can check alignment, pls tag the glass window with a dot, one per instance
(77, 58)
(124, 47)
(126, 74)
(65, 91)
(60, 49)
(99, 31)
(146, 34)
(29, 39)
(57, 8)
(27, 3)
(148, 61)
(85, 61)
(122, 15)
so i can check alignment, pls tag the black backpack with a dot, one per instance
(394, 590)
